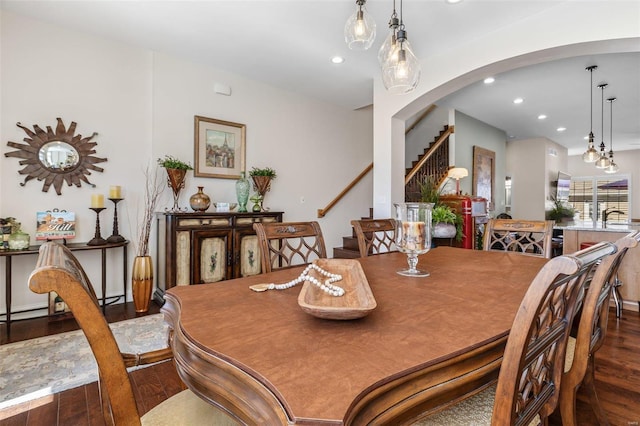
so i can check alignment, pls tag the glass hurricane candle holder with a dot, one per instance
(413, 234)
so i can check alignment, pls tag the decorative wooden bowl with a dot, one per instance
(357, 301)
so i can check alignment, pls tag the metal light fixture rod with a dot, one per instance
(603, 161)
(591, 155)
(613, 167)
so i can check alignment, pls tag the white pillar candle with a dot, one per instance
(115, 192)
(97, 201)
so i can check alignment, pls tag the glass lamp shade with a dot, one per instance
(591, 155)
(603, 161)
(389, 45)
(360, 29)
(613, 167)
(401, 72)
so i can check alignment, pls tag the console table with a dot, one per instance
(7, 255)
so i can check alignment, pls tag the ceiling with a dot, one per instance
(289, 44)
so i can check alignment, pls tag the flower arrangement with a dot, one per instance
(171, 162)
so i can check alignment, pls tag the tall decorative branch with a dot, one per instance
(153, 188)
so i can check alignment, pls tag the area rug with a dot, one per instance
(37, 367)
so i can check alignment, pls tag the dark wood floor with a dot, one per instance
(617, 377)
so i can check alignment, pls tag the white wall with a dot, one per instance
(469, 133)
(142, 105)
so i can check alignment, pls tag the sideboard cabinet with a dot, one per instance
(198, 248)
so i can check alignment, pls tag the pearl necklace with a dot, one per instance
(325, 286)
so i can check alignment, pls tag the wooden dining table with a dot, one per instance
(428, 342)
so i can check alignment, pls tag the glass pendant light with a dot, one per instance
(613, 167)
(401, 71)
(591, 155)
(603, 161)
(360, 29)
(390, 43)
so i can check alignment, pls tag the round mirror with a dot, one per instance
(58, 156)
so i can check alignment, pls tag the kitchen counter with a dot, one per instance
(627, 227)
(629, 272)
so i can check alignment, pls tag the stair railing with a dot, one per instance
(434, 163)
(323, 212)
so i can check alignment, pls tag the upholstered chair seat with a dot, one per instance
(186, 409)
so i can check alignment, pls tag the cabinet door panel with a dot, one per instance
(211, 251)
(183, 258)
(249, 255)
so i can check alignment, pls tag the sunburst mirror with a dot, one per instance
(56, 157)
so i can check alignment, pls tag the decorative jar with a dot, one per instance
(19, 241)
(200, 201)
(242, 192)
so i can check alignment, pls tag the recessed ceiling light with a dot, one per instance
(489, 80)
(542, 117)
(337, 59)
(586, 138)
(452, 1)
(561, 129)
(518, 101)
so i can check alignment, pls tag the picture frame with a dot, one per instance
(220, 148)
(55, 225)
(484, 171)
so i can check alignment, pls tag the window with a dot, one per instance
(591, 196)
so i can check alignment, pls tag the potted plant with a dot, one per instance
(560, 212)
(261, 184)
(446, 222)
(176, 170)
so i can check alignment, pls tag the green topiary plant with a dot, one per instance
(171, 162)
(440, 213)
(266, 171)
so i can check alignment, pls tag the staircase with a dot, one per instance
(433, 162)
(349, 249)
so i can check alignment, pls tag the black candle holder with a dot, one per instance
(97, 238)
(115, 237)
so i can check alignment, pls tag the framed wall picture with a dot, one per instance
(484, 171)
(220, 148)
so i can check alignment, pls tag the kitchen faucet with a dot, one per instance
(606, 213)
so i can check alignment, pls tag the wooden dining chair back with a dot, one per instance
(286, 244)
(375, 235)
(531, 373)
(592, 328)
(532, 237)
(58, 270)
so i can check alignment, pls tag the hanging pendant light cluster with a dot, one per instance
(591, 155)
(360, 29)
(603, 161)
(399, 65)
(613, 167)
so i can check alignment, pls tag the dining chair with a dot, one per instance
(58, 270)
(592, 329)
(286, 244)
(532, 237)
(531, 373)
(375, 235)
